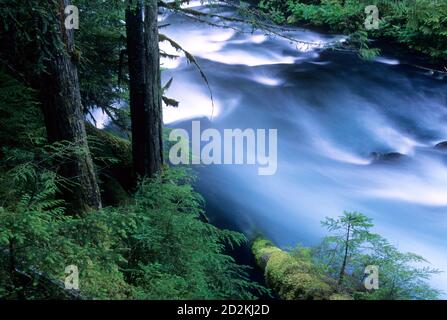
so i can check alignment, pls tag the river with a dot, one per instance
(331, 110)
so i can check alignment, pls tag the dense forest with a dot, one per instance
(106, 199)
(420, 25)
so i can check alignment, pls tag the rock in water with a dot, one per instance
(441, 146)
(387, 157)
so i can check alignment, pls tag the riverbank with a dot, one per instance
(418, 26)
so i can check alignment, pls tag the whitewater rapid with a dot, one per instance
(332, 110)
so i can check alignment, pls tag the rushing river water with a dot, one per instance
(332, 110)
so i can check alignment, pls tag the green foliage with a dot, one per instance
(419, 24)
(157, 247)
(23, 155)
(349, 232)
(35, 233)
(335, 269)
(403, 275)
(20, 116)
(352, 247)
(30, 27)
(176, 254)
(113, 158)
(101, 41)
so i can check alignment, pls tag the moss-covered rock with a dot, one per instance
(106, 144)
(113, 157)
(340, 296)
(290, 277)
(112, 192)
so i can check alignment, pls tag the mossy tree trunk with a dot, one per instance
(64, 120)
(145, 86)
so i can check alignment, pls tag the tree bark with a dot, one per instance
(144, 87)
(64, 120)
(154, 117)
(345, 257)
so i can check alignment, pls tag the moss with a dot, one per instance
(290, 277)
(112, 156)
(293, 279)
(340, 296)
(262, 250)
(106, 144)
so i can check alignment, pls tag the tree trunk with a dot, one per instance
(144, 87)
(64, 120)
(153, 116)
(345, 257)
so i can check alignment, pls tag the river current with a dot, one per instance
(331, 110)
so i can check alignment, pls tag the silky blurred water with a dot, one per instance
(331, 110)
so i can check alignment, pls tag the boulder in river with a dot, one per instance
(441, 146)
(389, 157)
